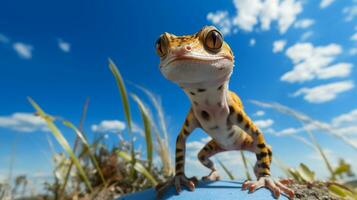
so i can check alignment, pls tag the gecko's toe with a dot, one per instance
(177, 184)
(270, 184)
(253, 185)
(213, 176)
(194, 179)
(286, 181)
(282, 185)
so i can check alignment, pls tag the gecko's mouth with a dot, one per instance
(189, 69)
(200, 59)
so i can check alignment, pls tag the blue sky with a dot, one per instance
(299, 53)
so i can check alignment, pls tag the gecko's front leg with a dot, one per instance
(180, 178)
(262, 172)
(263, 153)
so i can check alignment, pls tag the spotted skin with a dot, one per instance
(201, 64)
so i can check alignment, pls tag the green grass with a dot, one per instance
(147, 128)
(62, 141)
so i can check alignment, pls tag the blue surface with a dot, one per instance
(211, 190)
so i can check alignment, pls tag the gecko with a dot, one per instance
(201, 64)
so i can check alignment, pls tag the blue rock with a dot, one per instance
(227, 190)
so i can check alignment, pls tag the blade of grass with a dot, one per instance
(76, 143)
(163, 148)
(341, 191)
(147, 128)
(164, 153)
(321, 152)
(62, 140)
(122, 90)
(138, 167)
(315, 145)
(244, 159)
(230, 175)
(125, 102)
(304, 120)
(157, 104)
(306, 173)
(85, 142)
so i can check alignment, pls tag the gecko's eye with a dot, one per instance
(161, 46)
(213, 40)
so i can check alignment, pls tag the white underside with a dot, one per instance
(192, 75)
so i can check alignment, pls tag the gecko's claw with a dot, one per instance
(277, 187)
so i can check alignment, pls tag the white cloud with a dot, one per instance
(264, 123)
(289, 9)
(289, 131)
(109, 126)
(269, 13)
(325, 3)
(304, 23)
(206, 139)
(350, 12)
(259, 113)
(4, 39)
(312, 63)
(349, 118)
(353, 51)
(354, 37)
(250, 13)
(324, 93)
(247, 13)
(196, 145)
(338, 70)
(350, 131)
(306, 35)
(64, 46)
(23, 122)
(252, 42)
(279, 45)
(23, 50)
(345, 124)
(221, 19)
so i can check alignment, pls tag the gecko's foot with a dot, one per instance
(277, 187)
(213, 176)
(176, 181)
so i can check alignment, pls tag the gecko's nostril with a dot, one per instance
(188, 48)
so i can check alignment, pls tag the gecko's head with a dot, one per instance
(203, 57)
